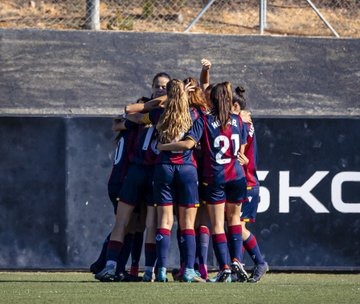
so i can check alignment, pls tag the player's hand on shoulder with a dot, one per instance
(246, 116)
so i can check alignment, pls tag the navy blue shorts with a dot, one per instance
(114, 195)
(233, 192)
(137, 185)
(249, 209)
(176, 184)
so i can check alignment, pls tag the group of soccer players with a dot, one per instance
(189, 151)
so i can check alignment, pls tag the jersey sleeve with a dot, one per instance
(196, 130)
(244, 132)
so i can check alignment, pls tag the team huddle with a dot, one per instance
(188, 151)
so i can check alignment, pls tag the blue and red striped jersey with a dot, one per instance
(175, 157)
(143, 150)
(251, 154)
(219, 147)
(121, 157)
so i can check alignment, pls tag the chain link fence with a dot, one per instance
(283, 17)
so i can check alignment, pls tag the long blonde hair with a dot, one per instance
(176, 119)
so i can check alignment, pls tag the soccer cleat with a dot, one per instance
(127, 277)
(148, 276)
(107, 274)
(119, 277)
(97, 266)
(161, 275)
(191, 276)
(198, 273)
(222, 275)
(258, 273)
(238, 269)
(177, 274)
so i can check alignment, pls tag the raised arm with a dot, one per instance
(205, 73)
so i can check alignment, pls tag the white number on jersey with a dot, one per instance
(150, 141)
(119, 151)
(148, 137)
(225, 147)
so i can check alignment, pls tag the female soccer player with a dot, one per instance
(175, 178)
(221, 135)
(142, 156)
(249, 209)
(119, 169)
(198, 100)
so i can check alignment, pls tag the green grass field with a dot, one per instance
(77, 287)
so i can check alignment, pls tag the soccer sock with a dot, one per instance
(150, 255)
(162, 246)
(181, 249)
(202, 244)
(125, 252)
(102, 257)
(220, 248)
(235, 242)
(136, 253)
(113, 250)
(189, 246)
(203, 249)
(253, 249)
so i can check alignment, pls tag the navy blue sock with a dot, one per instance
(125, 252)
(235, 242)
(220, 249)
(189, 247)
(150, 254)
(253, 249)
(136, 249)
(102, 257)
(181, 249)
(113, 250)
(162, 246)
(202, 244)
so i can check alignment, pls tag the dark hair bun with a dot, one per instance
(240, 90)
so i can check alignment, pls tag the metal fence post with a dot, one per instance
(92, 21)
(262, 15)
